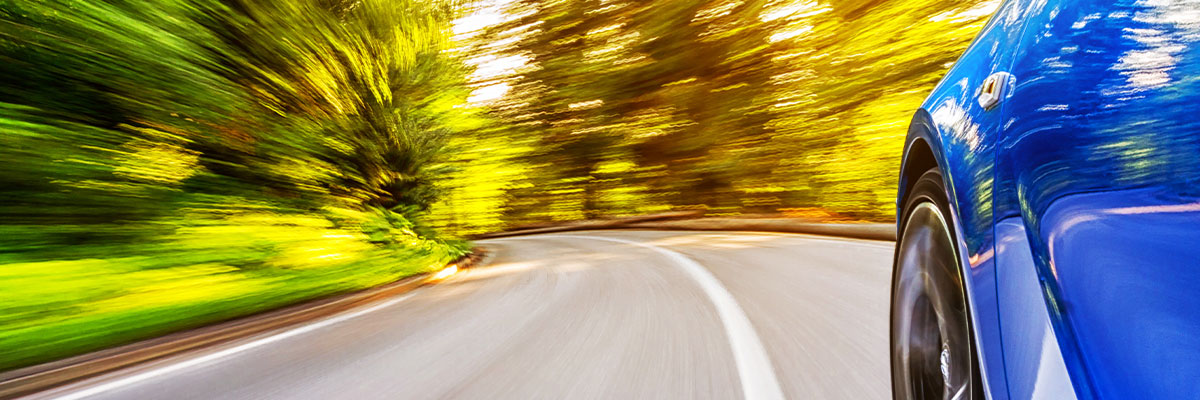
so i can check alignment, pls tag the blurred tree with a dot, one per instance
(735, 106)
(172, 163)
(294, 99)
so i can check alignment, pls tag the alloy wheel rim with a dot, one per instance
(930, 334)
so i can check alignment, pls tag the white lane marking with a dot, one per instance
(754, 367)
(153, 373)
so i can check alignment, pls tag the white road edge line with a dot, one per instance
(156, 372)
(754, 367)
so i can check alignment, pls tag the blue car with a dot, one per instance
(1049, 210)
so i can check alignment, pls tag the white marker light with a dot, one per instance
(446, 272)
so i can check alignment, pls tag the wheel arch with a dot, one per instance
(922, 151)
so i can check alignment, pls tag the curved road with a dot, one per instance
(584, 315)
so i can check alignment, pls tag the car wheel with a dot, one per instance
(932, 346)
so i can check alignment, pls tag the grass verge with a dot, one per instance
(92, 297)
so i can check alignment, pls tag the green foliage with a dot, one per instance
(733, 106)
(172, 163)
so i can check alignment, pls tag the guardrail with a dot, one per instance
(694, 221)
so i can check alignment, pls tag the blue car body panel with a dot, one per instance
(1077, 199)
(1033, 360)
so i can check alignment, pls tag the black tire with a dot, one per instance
(933, 353)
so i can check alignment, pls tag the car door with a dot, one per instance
(1098, 199)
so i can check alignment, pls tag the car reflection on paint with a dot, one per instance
(1050, 241)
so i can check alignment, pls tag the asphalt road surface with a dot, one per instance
(581, 315)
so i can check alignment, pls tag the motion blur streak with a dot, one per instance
(216, 356)
(754, 366)
(446, 272)
(567, 318)
(615, 107)
(169, 164)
